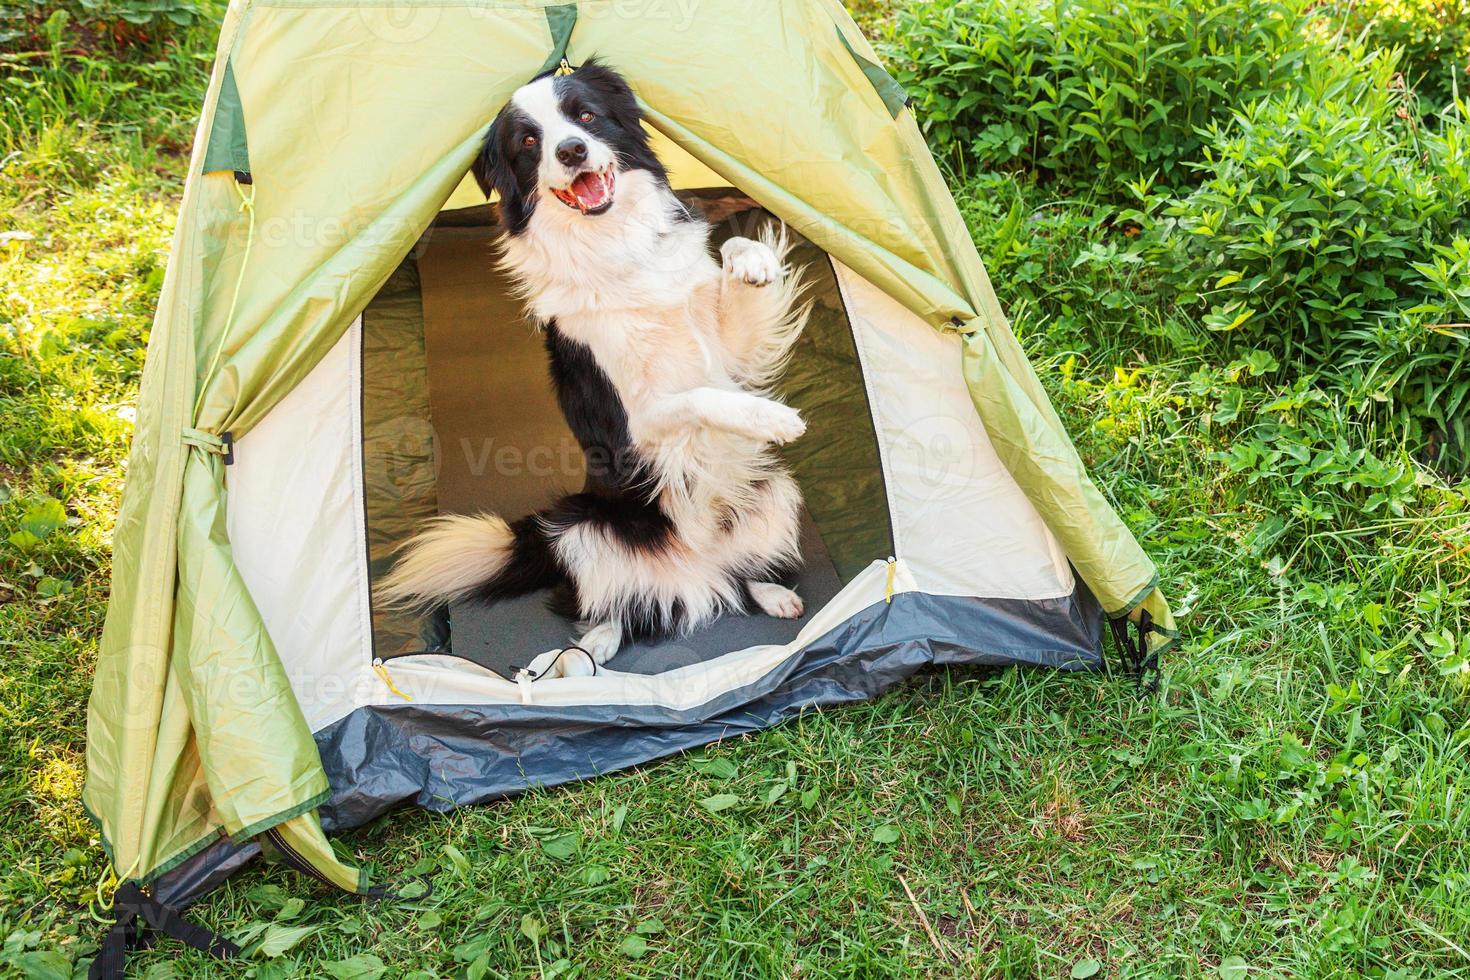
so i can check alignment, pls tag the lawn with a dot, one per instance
(1295, 801)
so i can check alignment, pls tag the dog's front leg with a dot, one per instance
(757, 319)
(762, 419)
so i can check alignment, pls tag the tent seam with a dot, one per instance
(275, 820)
(174, 861)
(199, 846)
(215, 834)
(359, 502)
(1167, 647)
(1138, 600)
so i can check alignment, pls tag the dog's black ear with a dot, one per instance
(489, 168)
(495, 172)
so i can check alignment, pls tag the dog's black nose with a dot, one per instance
(571, 151)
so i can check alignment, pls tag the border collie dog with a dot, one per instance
(662, 358)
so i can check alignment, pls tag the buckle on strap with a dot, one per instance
(222, 445)
(1141, 663)
(136, 911)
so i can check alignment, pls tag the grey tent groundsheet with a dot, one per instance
(437, 757)
(506, 635)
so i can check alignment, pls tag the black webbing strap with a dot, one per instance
(134, 910)
(1138, 660)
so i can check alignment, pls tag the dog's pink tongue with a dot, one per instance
(592, 190)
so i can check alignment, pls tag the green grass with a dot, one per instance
(1294, 803)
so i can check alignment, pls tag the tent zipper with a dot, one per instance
(892, 571)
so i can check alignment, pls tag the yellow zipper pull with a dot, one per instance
(565, 68)
(892, 568)
(387, 679)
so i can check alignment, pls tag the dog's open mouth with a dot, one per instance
(591, 192)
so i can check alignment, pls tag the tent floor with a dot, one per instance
(509, 634)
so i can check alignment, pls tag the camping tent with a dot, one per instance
(335, 358)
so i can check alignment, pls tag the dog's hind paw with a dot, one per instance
(750, 261)
(776, 600)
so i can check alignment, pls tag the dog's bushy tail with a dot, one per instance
(781, 311)
(457, 556)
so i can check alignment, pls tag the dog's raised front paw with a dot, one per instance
(750, 261)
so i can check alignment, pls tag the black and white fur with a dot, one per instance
(662, 359)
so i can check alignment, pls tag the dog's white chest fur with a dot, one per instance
(637, 286)
(637, 256)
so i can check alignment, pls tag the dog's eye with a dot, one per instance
(529, 141)
(586, 116)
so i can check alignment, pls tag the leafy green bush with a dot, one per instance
(1092, 90)
(26, 25)
(1434, 36)
(1332, 230)
(1315, 207)
(870, 14)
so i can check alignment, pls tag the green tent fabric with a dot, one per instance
(362, 119)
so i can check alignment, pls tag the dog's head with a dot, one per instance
(563, 141)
